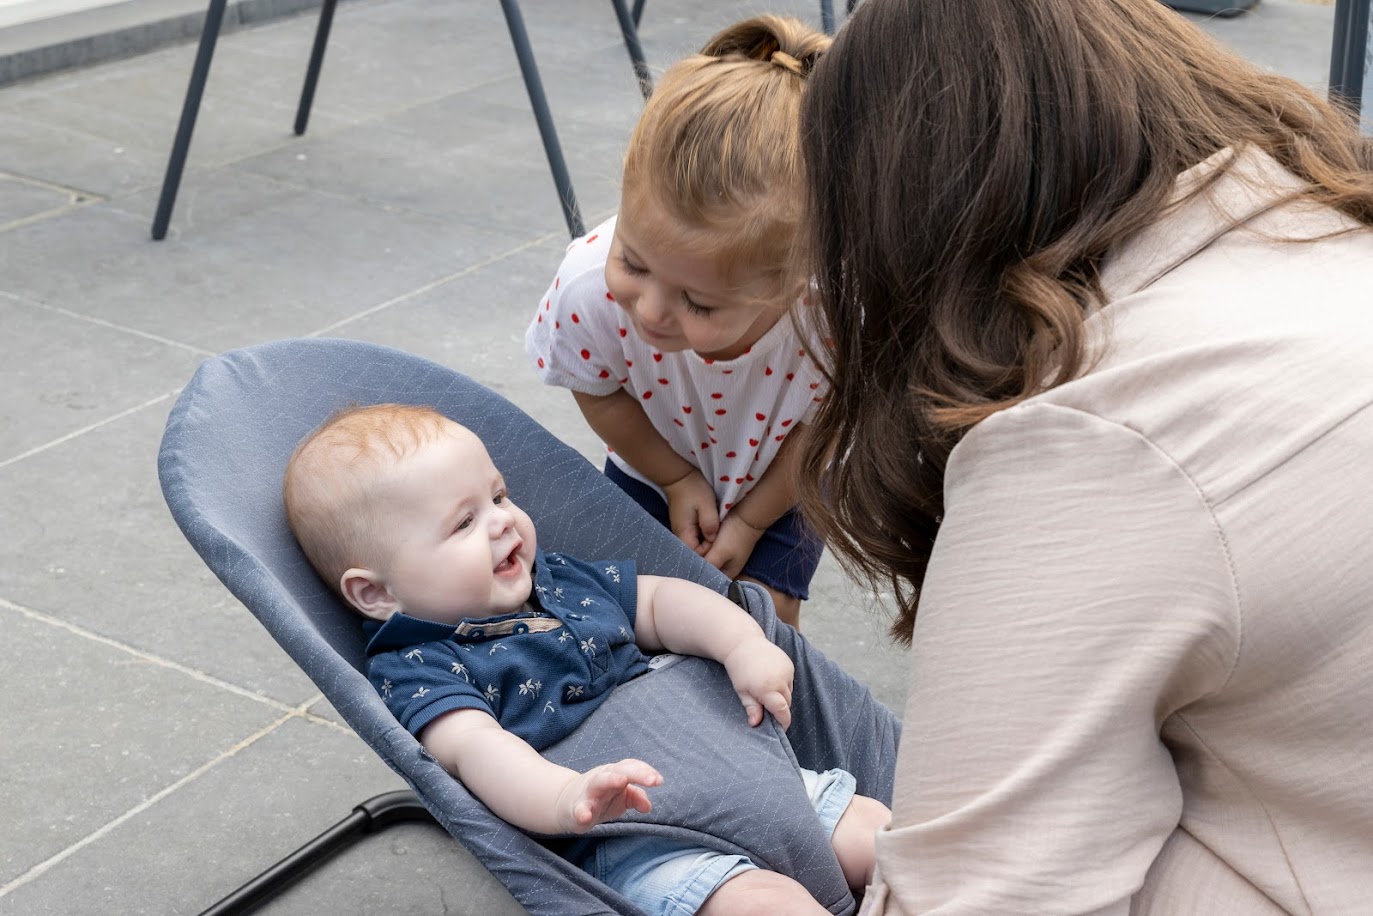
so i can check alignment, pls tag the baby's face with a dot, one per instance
(460, 547)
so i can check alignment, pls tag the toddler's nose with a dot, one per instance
(651, 308)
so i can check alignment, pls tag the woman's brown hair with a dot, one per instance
(718, 147)
(971, 163)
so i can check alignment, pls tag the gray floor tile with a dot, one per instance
(244, 814)
(102, 552)
(295, 268)
(61, 153)
(63, 373)
(115, 730)
(26, 200)
(207, 199)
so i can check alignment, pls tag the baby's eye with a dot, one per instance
(500, 498)
(632, 269)
(464, 524)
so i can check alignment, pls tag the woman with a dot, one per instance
(1101, 297)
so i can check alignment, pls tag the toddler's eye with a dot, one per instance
(632, 269)
(696, 308)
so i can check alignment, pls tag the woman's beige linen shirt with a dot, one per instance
(1142, 671)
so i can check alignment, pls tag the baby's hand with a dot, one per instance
(605, 793)
(762, 676)
(692, 511)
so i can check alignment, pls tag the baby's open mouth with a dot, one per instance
(511, 561)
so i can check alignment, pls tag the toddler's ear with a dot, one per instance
(364, 590)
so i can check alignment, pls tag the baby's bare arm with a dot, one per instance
(524, 789)
(684, 617)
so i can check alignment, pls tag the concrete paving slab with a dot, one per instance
(100, 551)
(22, 200)
(116, 727)
(63, 373)
(251, 808)
(298, 267)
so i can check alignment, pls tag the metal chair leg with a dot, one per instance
(307, 92)
(373, 815)
(827, 16)
(1348, 54)
(519, 37)
(638, 11)
(200, 72)
(629, 28)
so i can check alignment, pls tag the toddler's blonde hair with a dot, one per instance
(331, 481)
(718, 149)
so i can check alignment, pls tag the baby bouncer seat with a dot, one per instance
(729, 787)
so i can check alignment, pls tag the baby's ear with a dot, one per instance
(364, 590)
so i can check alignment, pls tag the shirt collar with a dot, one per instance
(401, 630)
(1252, 182)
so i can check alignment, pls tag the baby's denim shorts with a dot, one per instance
(785, 557)
(668, 878)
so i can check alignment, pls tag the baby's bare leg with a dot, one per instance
(760, 893)
(855, 839)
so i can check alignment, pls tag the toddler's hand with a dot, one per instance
(606, 792)
(733, 545)
(692, 512)
(762, 675)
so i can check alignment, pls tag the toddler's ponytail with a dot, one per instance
(718, 152)
(785, 43)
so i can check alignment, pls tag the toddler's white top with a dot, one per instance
(727, 417)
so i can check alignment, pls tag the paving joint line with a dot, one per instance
(114, 326)
(42, 867)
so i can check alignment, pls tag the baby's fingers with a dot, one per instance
(638, 772)
(780, 707)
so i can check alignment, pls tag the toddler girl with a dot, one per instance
(671, 323)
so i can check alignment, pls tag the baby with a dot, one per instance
(489, 650)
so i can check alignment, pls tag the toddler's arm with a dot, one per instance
(619, 420)
(772, 497)
(690, 619)
(524, 789)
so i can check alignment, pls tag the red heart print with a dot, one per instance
(605, 374)
(786, 423)
(610, 296)
(575, 319)
(791, 375)
(729, 454)
(662, 381)
(586, 354)
(738, 480)
(716, 395)
(592, 238)
(540, 362)
(647, 395)
(761, 416)
(686, 408)
(679, 422)
(767, 370)
(724, 479)
(657, 357)
(623, 332)
(753, 442)
(721, 412)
